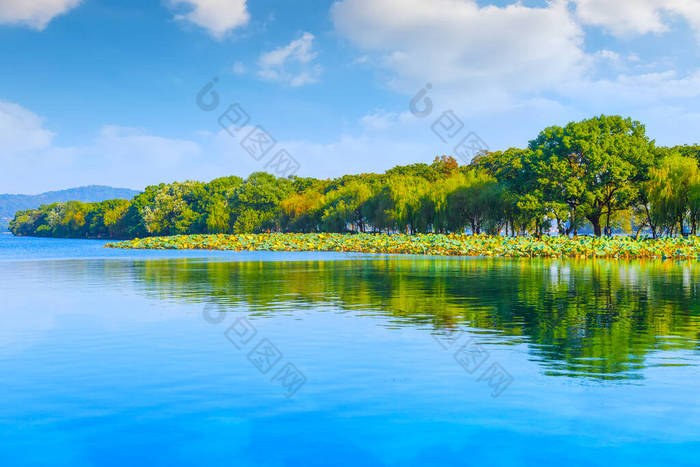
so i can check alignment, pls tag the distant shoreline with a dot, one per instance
(432, 244)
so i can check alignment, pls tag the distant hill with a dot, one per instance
(10, 204)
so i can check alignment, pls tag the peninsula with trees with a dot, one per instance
(599, 175)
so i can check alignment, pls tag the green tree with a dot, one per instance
(603, 171)
(344, 206)
(477, 203)
(673, 193)
(593, 166)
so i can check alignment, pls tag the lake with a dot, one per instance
(122, 357)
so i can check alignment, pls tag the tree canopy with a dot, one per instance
(601, 174)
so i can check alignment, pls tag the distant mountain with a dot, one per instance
(10, 204)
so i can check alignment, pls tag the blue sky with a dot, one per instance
(103, 92)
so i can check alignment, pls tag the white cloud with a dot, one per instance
(635, 17)
(219, 17)
(608, 55)
(492, 64)
(382, 120)
(238, 68)
(123, 156)
(291, 64)
(361, 60)
(30, 161)
(459, 45)
(21, 130)
(354, 154)
(632, 91)
(379, 120)
(133, 146)
(33, 13)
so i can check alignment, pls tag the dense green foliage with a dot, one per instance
(601, 173)
(10, 204)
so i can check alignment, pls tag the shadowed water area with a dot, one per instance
(114, 357)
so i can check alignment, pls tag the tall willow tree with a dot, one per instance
(344, 206)
(477, 203)
(674, 192)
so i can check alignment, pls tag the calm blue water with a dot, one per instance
(114, 357)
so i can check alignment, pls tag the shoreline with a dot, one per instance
(431, 244)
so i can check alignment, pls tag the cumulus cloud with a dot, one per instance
(21, 130)
(635, 17)
(608, 55)
(119, 156)
(458, 44)
(640, 89)
(33, 13)
(379, 120)
(489, 62)
(218, 17)
(361, 153)
(32, 162)
(134, 146)
(291, 64)
(382, 120)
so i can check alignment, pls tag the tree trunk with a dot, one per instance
(639, 230)
(595, 222)
(572, 223)
(651, 222)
